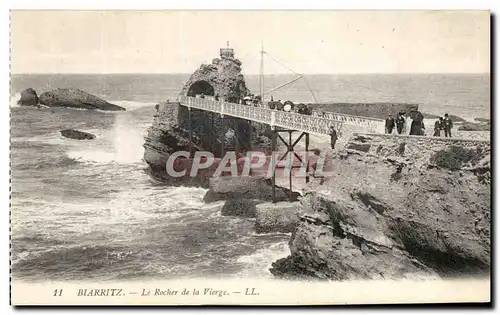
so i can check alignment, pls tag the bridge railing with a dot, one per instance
(367, 123)
(293, 121)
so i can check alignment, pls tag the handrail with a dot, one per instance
(293, 121)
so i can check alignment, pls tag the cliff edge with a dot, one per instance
(396, 207)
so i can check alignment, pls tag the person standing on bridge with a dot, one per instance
(389, 124)
(333, 137)
(216, 97)
(321, 112)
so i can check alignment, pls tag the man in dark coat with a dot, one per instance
(400, 123)
(389, 124)
(333, 137)
(447, 124)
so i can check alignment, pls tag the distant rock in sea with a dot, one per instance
(28, 98)
(75, 98)
(471, 126)
(77, 134)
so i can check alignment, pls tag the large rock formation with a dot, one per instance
(170, 132)
(28, 98)
(221, 78)
(396, 207)
(75, 98)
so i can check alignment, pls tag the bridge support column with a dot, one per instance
(307, 157)
(237, 137)
(250, 136)
(190, 128)
(290, 145)
(222, 138)
(273, 163)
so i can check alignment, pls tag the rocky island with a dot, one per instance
(71, 98)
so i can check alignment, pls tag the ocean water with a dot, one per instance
(87, 209)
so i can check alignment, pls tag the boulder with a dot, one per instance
(77, 134)
(245, 208)
(277, 217)
(75, 98)
(257, 188)
(421, 212)
(28, 98)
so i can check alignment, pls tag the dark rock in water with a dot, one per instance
(75, 98)
(281, 217)
(245, 208)
(28, 98)
(76, 134)
(224, 188)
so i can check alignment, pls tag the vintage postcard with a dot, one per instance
(250, 157)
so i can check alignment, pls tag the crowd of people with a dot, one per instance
(417, 128)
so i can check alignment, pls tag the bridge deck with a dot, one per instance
(293, 121)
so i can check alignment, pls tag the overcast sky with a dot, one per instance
(308, 41)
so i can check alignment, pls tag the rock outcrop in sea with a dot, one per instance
(170, 132)
(75, 98)
(28, 98)
(77, 134)
(72, 98)
(396, 207)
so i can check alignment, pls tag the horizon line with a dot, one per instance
(250, 74)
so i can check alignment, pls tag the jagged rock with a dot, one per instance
(245, 208)
(223, 79)
(170, 131)
(376, 219)
(75, 98)
(363, 147)
(277, 217)
(28, 98)
(226, 188)
(77, 134)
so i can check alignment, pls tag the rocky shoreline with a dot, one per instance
(396, 208)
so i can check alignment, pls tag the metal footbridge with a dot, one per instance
(291, 121)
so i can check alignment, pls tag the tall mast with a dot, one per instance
(261, 80)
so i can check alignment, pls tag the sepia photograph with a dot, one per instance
(212, 157)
